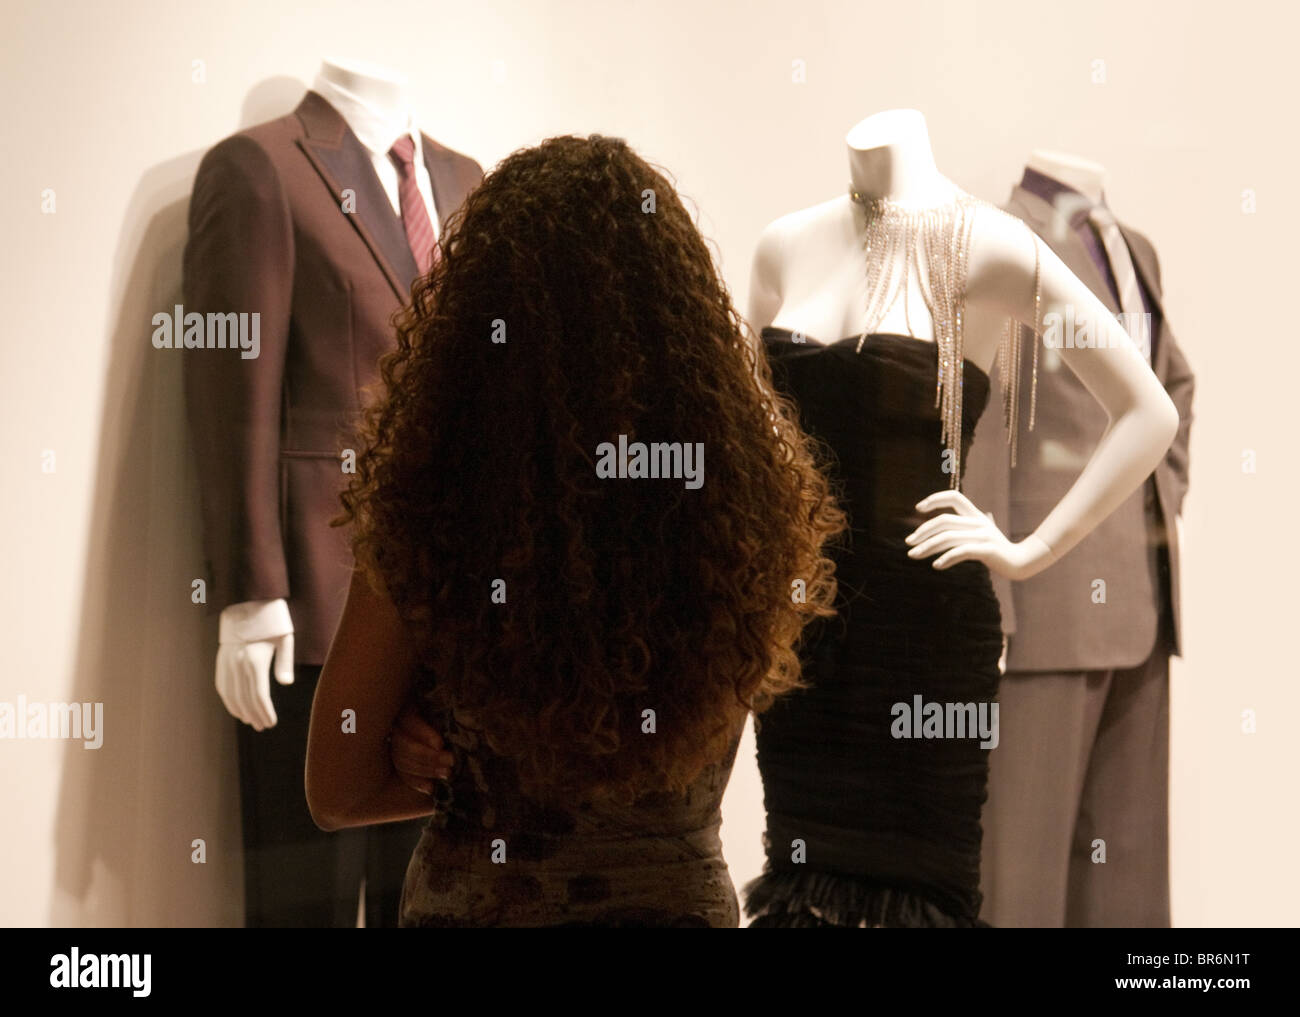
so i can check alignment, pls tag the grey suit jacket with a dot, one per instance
(1057, 620)
(269, 233)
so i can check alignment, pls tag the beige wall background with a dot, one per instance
(1191, 116)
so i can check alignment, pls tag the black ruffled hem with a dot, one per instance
(813, 900)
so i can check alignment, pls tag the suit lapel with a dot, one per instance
(1147, 271)
(344, 163)
(440, 162)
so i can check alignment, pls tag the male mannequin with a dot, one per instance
(1084, 754)
(300, 220)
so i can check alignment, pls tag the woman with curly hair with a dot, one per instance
(585, 637)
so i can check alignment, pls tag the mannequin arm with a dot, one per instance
(1142, 419)
(350, 778)
(764, 275)
(239, 257)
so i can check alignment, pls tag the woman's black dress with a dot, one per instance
(864, 828)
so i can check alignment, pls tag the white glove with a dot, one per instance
(252, 633)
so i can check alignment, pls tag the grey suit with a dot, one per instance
(1082, 766)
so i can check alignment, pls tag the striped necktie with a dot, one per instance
(415, 216)
(1121, 266)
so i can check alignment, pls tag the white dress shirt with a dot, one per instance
(377, 130)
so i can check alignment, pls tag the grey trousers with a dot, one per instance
(1080, 773)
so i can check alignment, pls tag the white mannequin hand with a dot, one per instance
(252, 634)
(967, 534)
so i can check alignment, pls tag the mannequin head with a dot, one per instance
(576, 302)
(373, 83)
(886, 128)
(1084, 175)
(890, 157)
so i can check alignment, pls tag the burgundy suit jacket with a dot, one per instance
(1052, 619)
(268, 233)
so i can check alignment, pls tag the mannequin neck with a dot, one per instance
(890, 157)
(378, 88)
(1086, 177)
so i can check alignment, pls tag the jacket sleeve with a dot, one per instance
(1180, 383)
(239, 258)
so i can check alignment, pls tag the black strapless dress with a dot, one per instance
(865, 829)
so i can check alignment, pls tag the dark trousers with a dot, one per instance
(1083, 757)
(295, 874)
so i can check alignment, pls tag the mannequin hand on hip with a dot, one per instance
(253, 634)
(964, 533)
(417, 751)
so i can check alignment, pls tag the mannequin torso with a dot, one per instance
(256, 637)
(808, 277)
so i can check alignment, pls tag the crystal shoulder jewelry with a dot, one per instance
(932, 243)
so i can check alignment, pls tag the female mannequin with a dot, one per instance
(807, 275)
(866, 827)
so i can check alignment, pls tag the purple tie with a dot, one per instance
(415, 217)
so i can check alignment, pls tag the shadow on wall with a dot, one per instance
(167, 774)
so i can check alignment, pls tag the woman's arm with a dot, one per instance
(350, 778)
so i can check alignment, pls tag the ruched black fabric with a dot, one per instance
(865, 829)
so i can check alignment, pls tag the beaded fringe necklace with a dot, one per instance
(899, 238)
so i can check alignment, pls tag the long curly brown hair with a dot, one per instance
(575, 301)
